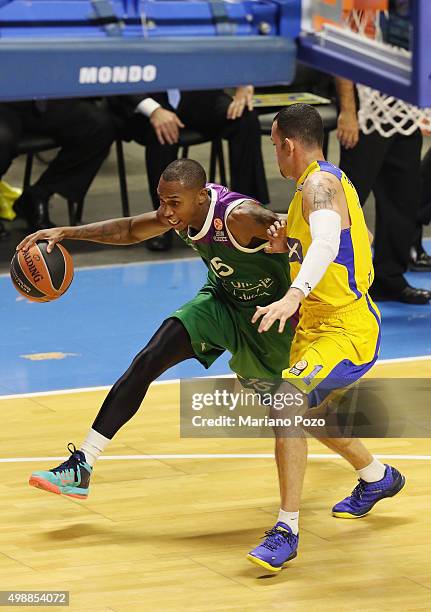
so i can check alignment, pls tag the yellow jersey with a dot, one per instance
(350, 275)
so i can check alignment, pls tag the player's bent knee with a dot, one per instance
(289, 405)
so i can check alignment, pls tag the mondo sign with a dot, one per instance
(117, 74)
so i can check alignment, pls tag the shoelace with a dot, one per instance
(71, 463)
(358, 490)
(276, 537)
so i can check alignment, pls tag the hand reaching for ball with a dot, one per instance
(52, 236)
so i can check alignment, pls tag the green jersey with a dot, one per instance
(243, 276)
(239, 279)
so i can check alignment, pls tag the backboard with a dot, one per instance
(384, 44)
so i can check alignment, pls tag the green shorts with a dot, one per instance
(215, 326)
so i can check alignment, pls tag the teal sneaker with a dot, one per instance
(71, 478)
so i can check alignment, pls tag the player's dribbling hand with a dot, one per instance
(281, 311)
(54, 235)
(277, 237)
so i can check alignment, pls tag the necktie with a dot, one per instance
(41, 105)
(174, 97)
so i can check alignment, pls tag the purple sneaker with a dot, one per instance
(278, 548)
(366, 494)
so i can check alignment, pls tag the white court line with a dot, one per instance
(173, 381)
(131, 264)
(205, 456)
(85, 389)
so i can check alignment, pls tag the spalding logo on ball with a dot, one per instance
(41, 276)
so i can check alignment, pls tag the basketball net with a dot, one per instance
(389, 115)
(378, 111)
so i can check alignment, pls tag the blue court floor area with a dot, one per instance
(89, 336)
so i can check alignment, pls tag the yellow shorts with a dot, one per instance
(333, 348)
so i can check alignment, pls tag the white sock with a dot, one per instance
(373, 472)
(93, 445)
(290, 519)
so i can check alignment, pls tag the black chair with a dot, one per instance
(188, 138)
(329, 115)
(31, 144)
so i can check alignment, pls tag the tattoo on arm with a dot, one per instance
(108, 232)
(322, 195)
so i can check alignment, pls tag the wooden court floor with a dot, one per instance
(171, 533)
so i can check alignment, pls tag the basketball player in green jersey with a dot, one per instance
(229, 231)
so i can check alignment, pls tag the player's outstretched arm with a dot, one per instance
(280, 311)
(127, 230)
(325, 209)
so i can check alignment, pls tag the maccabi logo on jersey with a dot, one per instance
(299, 367)
(295, 249)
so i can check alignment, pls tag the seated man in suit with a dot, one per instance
(84, 133)
(155, 121)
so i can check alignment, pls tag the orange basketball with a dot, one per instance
(41, 276)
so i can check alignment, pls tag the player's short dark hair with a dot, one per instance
(188, 172)
(301, 121)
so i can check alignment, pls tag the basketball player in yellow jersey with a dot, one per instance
(338, 335)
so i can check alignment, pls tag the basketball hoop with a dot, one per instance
(379, 29)
(377, 111)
